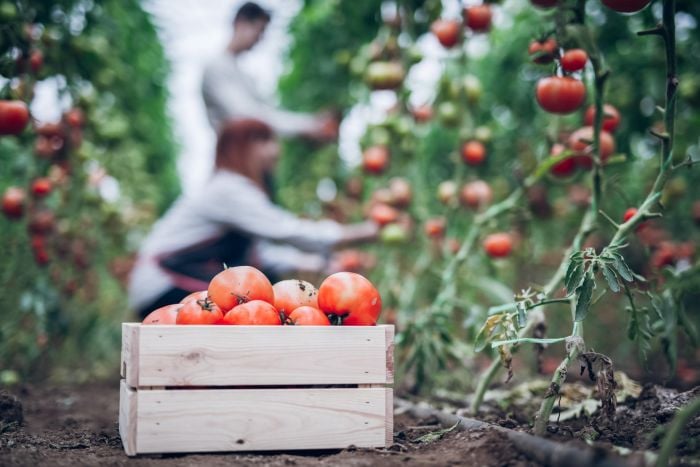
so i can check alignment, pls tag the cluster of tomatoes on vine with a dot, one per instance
(243, 295)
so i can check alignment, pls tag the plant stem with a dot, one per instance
(667, 31)
(675, 429)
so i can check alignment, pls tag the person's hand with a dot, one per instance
(360, 232)
(326, 128)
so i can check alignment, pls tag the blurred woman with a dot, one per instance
(232, 221)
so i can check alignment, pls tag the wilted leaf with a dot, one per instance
(611, 277)
(485, 332)
(584, 292)
(622, 268)
(573, 276)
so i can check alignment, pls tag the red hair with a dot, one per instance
(233, 148)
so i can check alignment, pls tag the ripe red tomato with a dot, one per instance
(383, 214)
(164, 315)
(350, 297)
(476, 194)
(253, 313)
(401, 192)
(564, 168)
(629, 214)
(41, 187)
(626, 6)
(240, 284)
(36, 60)
(611, 117)
(294, 293)
(41, 256)
(560, 95)
(543, 51)
(13, 202)
(422, 113)
(446, 31)
(199, 312)
(74, 117)
(473, 152)
(545, 3)
(581, 140)
(375, 159)
(435, 227)
(574, 60)
(478, 17)
(194, 296)
(308, 316)
(14, 116)
(42, 221)
(498, 245)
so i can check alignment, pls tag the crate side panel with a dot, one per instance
(127, 418)
(201, 420)
(129, 367)
(261, 355)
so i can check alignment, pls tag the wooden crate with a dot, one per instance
(255, 388)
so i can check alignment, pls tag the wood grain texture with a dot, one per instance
(129, 367)
(128, 418)
(258, 355)
(201, 420)
(389, 341)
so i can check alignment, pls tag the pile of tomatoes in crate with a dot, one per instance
(243, 295)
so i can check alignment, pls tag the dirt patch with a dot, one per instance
(67, 426)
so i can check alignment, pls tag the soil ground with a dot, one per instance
(69, 426)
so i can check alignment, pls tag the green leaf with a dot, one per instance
(584, 292)
(622, 268)
(574, 274)
(611, 277)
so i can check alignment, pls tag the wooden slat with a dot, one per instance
(258, 355)
(127, 418)
(389, 418)
(201, 420)
(389, 336)
(129, 367)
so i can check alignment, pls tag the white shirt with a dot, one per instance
(230, 202)
(230, 93)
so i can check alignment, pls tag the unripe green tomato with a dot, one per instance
(358, 64)
(448, 113)
(403, 125)
(414, 55)
(407, 145)
(500, 187)
(472, 88)
(453, 89)
(675, 188)
(393, 234)
(8, 11)
(483, 134)
(342, 57)
(379, 136)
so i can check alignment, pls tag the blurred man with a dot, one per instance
(229, 93)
